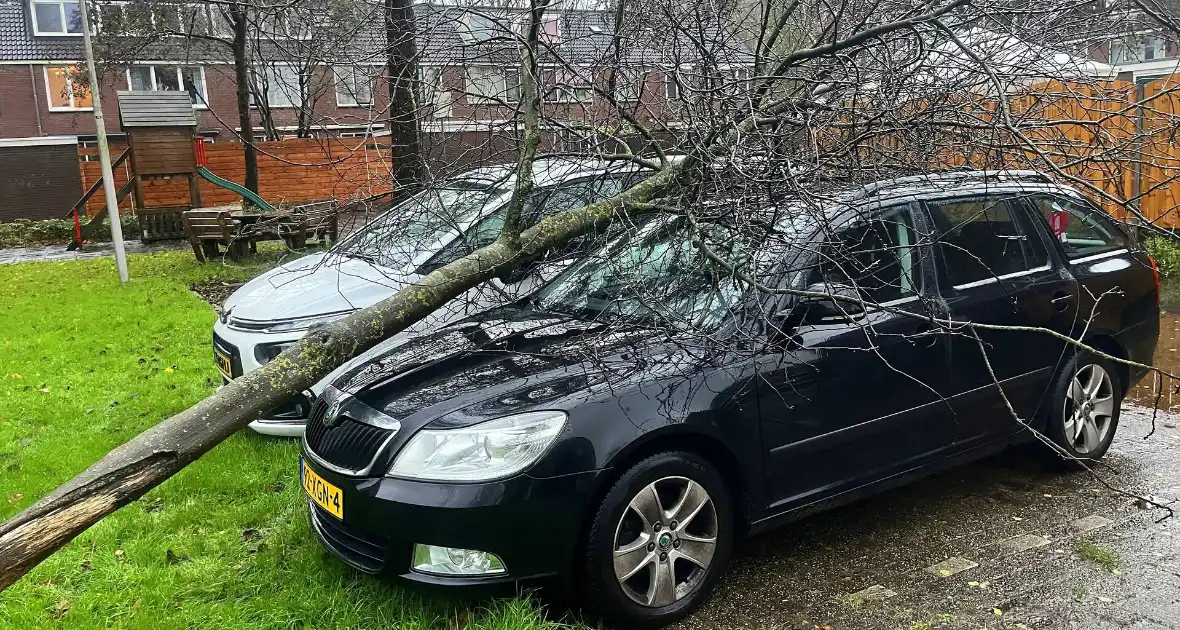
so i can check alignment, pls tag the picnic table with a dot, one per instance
(239, 231)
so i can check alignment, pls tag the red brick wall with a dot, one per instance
(289, 171)
(23, 96)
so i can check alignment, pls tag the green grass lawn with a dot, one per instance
(86, 364)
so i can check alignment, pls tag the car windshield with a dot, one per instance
(417, 224)
(657, 274)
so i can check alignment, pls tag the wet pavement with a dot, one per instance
(90, 250)
(1005, 543)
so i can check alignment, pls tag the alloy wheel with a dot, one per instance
(1089, 407)
(665, 541)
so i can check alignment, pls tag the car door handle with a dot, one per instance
(1061, 300)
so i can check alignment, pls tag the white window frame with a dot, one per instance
(179, 80)
(350, 93)
(639, 75)
(558, 94)
(61, 10)
(69, 84)
(270, 91)
(96, 19)
(672, 83)
(504, 96)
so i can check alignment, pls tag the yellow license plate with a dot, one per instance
(323, 493)
(224, 363)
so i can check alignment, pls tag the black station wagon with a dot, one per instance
(577, 437)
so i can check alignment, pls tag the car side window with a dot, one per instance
(1082, 230)
(981, 238)
(877, 257)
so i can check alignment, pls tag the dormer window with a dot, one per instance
(550, 30)
(474, 29)
(56, 17)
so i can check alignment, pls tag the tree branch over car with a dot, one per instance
(783, 152)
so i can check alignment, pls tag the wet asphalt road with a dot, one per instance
(1003, 543)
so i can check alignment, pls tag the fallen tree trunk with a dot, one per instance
(134, 468)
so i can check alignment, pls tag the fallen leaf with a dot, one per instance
(984, 584)
(171, 558)
(15, 375)
(168, 370)
(1105, 600)
(1047, 496)
(944, 572)
(997, 612)
(973, 583)
(16, 497)
(1117, 571)
(45, 390)
(1017, 518)
(250, 534)
(61, 609)
(119, 555)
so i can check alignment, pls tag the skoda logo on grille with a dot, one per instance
(332, 415)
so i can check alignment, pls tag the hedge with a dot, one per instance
(28, 233)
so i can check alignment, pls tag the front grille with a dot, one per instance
(348, 445)
(360, 550)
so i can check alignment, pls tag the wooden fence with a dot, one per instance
(289, 171)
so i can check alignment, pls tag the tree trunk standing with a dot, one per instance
(240, 23)
(402, 49)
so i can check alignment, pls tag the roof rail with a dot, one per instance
(869, 190)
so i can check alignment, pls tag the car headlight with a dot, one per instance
(307, 322)
(482, 452)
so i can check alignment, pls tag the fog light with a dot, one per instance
(450, 561)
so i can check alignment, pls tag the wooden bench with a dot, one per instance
(162, 223)
(208, 230)
(312, 220)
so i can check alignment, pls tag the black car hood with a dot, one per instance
(507, 360)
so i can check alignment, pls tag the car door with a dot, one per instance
(1115, 288)
(850, 400)
(1000, 280)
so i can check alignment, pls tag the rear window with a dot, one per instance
(1082, 230)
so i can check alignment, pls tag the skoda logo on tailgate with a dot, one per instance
(332, 415)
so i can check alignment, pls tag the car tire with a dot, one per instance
(664, 585)
(1084, 408)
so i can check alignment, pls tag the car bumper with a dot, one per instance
(285, 421)
(531, 524)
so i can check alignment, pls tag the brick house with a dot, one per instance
(467, 62)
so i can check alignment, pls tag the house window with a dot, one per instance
(282, 84)
(432, 91)
(630, 83)
(64, 90)
(672, 85)
(56, 17)
(474, 29)
(1134, 51)
(170, 79)
(550, 30)
(354, 86)
(493, 83)
(566, 86)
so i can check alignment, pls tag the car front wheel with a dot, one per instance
(1085, 413)
(659, 541)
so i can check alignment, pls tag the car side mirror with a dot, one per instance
(834, 301)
